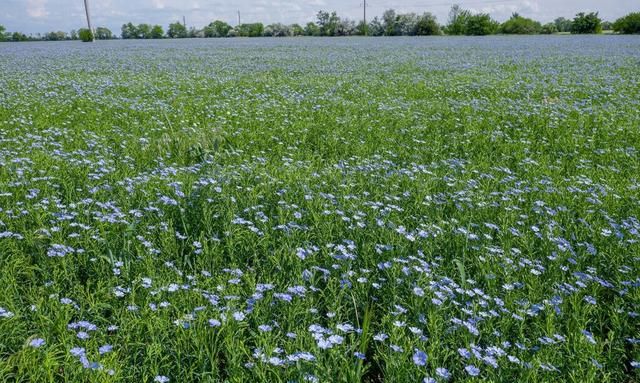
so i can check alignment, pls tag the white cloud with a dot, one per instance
(37, 9)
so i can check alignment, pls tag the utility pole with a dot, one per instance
(86, 10)
(239, 17)
(365, 26)
(184, 22)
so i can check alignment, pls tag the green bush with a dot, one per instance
(586, 23)
(463, 22)
(628, 24)
(427, 25)
(85, 35)
(549, 28)
(518, 25)
(480, 25)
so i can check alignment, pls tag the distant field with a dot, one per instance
(321, 210)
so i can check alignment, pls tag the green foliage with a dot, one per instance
(177, 31)
(277, 30)
(518, 25)
(103, 33)
(562, 24)
(129, 31)
(390, 23)
(427, 25)
(141, 31)
(195, 32)
(376, 27)
(250, 30)
(217, 28)
(586, 23)
(85, 35)
(297, 30)
(55, 36)
(17, 36)
(157, 32)
(458, 20)
(463, 22)
(480, 25)
(328, 23)
(144, 31)
(549, 28)
(628, 24)
(2, 30)
(312, 29)
(407, 24)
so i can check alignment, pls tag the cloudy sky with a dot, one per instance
(34, 16)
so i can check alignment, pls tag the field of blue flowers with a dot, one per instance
(321, 210)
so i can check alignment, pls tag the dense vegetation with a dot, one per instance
(313, 210)
(586, 23)
(461, 22)
(85, 35)
(518, 25)
(629, 24)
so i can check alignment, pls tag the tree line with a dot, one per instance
(461, 22)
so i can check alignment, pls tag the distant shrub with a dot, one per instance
(586, 23)
(628, 24)
(549, 28)
(463, 22)
(480, 25)
(427, 25)
(518, 25)
(85, 35)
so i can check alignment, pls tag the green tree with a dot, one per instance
(328, 23)
(2, 30)
(586, 23)
(480, 25)
(390, 23)
(549, 28)
(85, 35)
(312, 29)
(73, 35)
(55, 36)
(17, 36)
(362, 29)
(144, 31)
(217, 28)
(458, 19)
(346, 27)
(103, 33)
(375, 27)
(157, 32)
(296, 30)
(407, 24)
(277, 30)
(628, 24)
(562, 24)
(427, 25)
(518, 25)
(177, 31)
(250, 30)
(129, 31)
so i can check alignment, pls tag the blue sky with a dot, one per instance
(33, 16)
